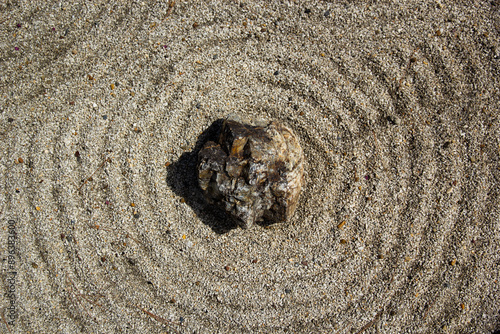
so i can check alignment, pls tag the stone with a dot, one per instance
(253, 172)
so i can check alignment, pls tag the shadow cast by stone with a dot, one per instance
(182, 178)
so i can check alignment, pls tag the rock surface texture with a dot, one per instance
(254, 173)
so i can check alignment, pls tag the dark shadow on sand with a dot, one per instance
(182, 178)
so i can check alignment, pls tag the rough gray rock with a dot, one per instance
(254, 173)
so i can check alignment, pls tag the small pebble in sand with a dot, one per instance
(254, 173)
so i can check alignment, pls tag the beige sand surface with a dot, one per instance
(103, 106)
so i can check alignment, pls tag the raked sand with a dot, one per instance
(104, 105)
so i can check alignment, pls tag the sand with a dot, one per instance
(104, 105)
